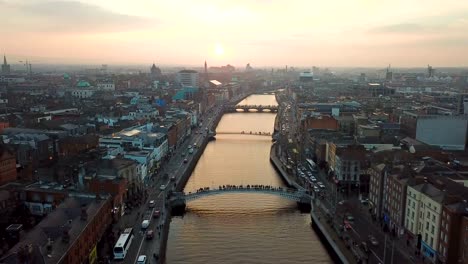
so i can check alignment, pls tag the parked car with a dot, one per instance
(162, 187)
(173, 178)
(185, 160)
(151, 204)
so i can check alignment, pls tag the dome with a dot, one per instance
(83, 84)
(66, 76)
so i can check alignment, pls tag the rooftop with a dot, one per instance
(65, 219)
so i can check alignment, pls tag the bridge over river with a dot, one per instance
(251, 108)
(178, 200)
(268, 134)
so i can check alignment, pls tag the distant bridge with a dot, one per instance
(268, 134)
(247, 108)
(179, 199)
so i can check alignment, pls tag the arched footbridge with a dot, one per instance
(179, 199)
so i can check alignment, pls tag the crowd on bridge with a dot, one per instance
(246, 187)
(257, 133)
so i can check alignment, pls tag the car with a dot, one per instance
(151, 204)
(373, 240)
(183, 154)
(173, 178)
(149, 234)
(185, 160)
(156, 214)
(141, 259)
(145, 224)
(365, 201)
(349, 217)
(341, 202)
(162, 187)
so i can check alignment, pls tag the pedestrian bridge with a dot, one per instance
(285, 193)
(248, 108)
(178, 200)
(256, 133)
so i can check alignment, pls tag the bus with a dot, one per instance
(123, 244)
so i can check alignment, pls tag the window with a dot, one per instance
(425, 237)
(427, 225)
(433, 218)
(428, 214)
(433, 228)
(432, 242)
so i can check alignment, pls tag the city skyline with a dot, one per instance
(300, 33)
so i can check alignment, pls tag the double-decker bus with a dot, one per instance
(123, 244)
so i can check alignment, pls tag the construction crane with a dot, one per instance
(28, 66)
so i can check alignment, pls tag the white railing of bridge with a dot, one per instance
(295, 196)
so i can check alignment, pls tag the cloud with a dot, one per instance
(66, 17)
(398, 28)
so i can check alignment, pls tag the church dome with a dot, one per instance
(83, 84)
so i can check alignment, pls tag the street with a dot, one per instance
(175, 167)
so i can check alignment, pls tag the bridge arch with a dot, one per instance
(179, 200)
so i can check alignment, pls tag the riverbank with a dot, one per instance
(281, 168)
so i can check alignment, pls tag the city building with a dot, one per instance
(350, 162)
(7, 165)
(121, 168)
(306, 77)
(394, 199)
(69, 234)
(433, 130)
(187, 78)
(377, 176)
(106, 85)
(424, 204)
(453, 243)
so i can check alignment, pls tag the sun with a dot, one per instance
(219, 50)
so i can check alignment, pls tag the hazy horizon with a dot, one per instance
(265, 33)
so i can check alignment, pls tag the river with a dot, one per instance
(242, 228)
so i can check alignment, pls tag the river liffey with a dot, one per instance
(242, 228)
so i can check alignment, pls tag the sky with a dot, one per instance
(301, 33)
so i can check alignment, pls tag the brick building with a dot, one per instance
(68, 235)
(117, 188)
(451, 240)
(319, 122)
(395, 201)
(7, 165)
(75, 145)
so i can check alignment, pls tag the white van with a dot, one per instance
(145, 224)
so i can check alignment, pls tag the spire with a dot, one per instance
(4, 60)
(206, 68)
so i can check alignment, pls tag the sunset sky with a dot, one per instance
(263, 32)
